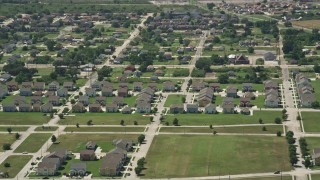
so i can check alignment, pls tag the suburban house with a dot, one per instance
(123, 91)
(48, 166)
(39, 86)
(46, 108)
(62, 92)
(60, 153)
(197, 86)
(119, 101)
(78, 108)
(87, 155)
(36, 107)
(78, 169)
(91, 92)
(176, 108)
(245, 102)
(107, 91)
(269, 56)
(101, 100)
(26, 91)
(111, 108)
(272, 101)
(316, 156)
(305, 90)
(54, 100)
(238, 59)
(247, 87)
(192, 108)
(143, 107)
(245, 111)
(137, 86)
(95, 107)
(126, 110)
(210, 109)
(9, 107)
(69, 85)
(36, 99)
(215, 87)
(5, 77)
(3, 92)
(153, 86)
(12, 86)
(91, 145)
(97, 85)
(205, 96)
(269, 84)
(26, 85)
(24, 107)
(231, 91)
(168, 86)
(228, 105)
(124, 144)
(53, 86)
(113, 162)
(167, 55)
(19, 100)
(84, 100)
(249, 95)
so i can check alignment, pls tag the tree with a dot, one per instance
(210, 126)
(307, 163)
(223, 78)
(53, 138)
(277, 120)
(299, 117)
(77, 125)
(260, 121)
(135, 123)
(315, 104)
(141, 138)
(9, 129)
(141, 162)
(89, 123)
(122, 122)
(6, 146)
(7, 165)
(279, 133)
(284, 111)
(204, 64)
(105, 71)
(138, 170)
(210, 6)
(60, 116)
(17, 136)
(175, 122)
(264, 128)
(50, 45)
(250, 50)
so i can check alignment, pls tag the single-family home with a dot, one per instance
(60, 153)
(12, 86)
(36, 107)
(112, 163)
(78, 108)
(78, 169)
(48, 167)
(26, 85)
(3, 92)
(124, 144)
(269, 56)
(210, 109)
(215, 86)
(269, 84)
(91, 145)
(54, 100)
(123, 91)
(9, 107)
(47, 108)
(197, 85)
(69, 85)
(107, 91)
(36, 99)
(39, 86)
(97, 85)
(119, 101)
(244, 102)
(176, 108)
(168, 86)
(91, 92)
(231, 91)
(272, 101)
(192, 108)
(158, 72)
(62, 92)
(316, 156)
(111, 108)
(247, 87)
(101, 100)
(26, 91)
(143, 107)
(53, 86)
(137, 86)
(24, 107)
(167, 55)
(87, 155)
(228, 105)
(84, 100)
(126, 110)
(95, 107)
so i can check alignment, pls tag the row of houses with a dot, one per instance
(305, 90)
(272, 95)
(39, 86)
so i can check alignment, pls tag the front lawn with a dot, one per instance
(6, 138)
(223, 119)
(310, 121)
(16, 164)
(33, 143)
(23, 118)
(104, 129)
(105, 118)
(174, 99)
(77, 142)
(173, 156)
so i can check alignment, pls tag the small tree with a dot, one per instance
(51, 115)
(307, 163)
(89, 123)
(250, 50)
(277, 120)
(284, 111)
(6, 146)
(299, 118)
(7, 165)
(264, 128)
(279, 133)
(166, 123)
(53, 138)
(141, 162)
(9, 129)
(60, 116)
(210, 126)
(141, 138)
(122, 122)
(138, 170)
(175, 122)
(77, 125)
(17, 136)
(260, 121)
(135, 123)
(151, 119)
(215, 132)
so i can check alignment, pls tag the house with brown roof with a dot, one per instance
(54, 100)
(47, 108)
(78, 108)
(228, 105)
(53, 86)
(176, 108)
(91, 92)
(36, 99)
(269, 84)
(48, 167)
(244, 102)
(168, 86)
(12, 86)
(101, 100)
(231, 91)
(119, 101)
(39, 86)
(36, 107)
(62, 92)
(197, 85)
(137, 86)
(25, 107)
(126, 110)
(60, 153)
(84, 100)
(153, 86)
(26, 85)
(107, 91)
(87, 155)
(111, 108)
(215, 87)
(123, 91)
(25, 92)
(158, 72)
(113, 162)
(124, 144)
(95, 107)
(69, 85)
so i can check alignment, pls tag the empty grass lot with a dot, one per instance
(104, 129)
(17, 163)
(241, 129)
(20, 118)
(315, 176)
(173, 99)
(33, 143)
(14, 128)
(310, 121)
(307, 23)
(316, 86)
(105, 118)
(190, 156)
(6, 138)
(92, 166)
(50, 128)
(77, 142)
(223, 119)
(278, 177)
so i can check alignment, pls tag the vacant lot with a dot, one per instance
(241, 129)
(190, 156)
(266, 178)
(77, 142)
(223, 119)
(311, 24)
(174, 99)
(33, 143)
(17, 163)
(6, 138)
(316, 86)
(46, 128)
(105, 118)
(20, 118)
(310, 121)
(104, 129)
(14, 128)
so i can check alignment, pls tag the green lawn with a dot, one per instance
(315, 176)
(17, 163)
(278, 177)
(316, 86)
(6, 138)
(33, 143)
(310, 121)
(243, 129)
(193, 156)
(77, 142)
(23, 118)
(45, 128)
(92, 166)
(104, 129)
(14, 128)
(105, 118)
(174, 99)
(223, 119)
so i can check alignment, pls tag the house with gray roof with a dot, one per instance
(91, 92)
(39, 86)
(3, 92)
(53, 86)
(84, 100)
(10, 107)
(192, 108)
(119, 101)
(78, 169)
(111, 108)
(143, 107)
(168, 86)
(176, 108)
(25, 107)
(95, 107)
(69, 85)
(231, 91)
(272, 101)
(124, 144)
(316, 156)
(112, 163)
(269, 56)
(54, 100)
(26, 91)
(137, 86)
(107, 91)
(12, 86)
(62, 92)
(46, 108)
(78, 108)
(210, 108)
(101, 100)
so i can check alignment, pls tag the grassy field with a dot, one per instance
(77, 142)
(311, 24)
(316, 86)
(104, 129)
(6, 138)
(105, 118)
(310, 121)
(315, 176)
(17, 163)
(224, 119)
(50, 128)
(191, 156)
(278, 177)
(243, 129)
(173, 99)
(14, 128)
(33, 143)
(92, 166)
(19, 118)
